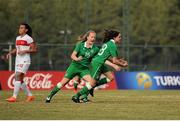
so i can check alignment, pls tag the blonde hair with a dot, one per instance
(83, 37)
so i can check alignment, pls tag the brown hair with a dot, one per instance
(29, 32)
(110, 34)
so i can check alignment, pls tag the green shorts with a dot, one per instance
(75, 69)
(97, 69)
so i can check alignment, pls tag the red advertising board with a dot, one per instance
(42, 80)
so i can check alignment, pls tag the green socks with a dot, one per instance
(101, 82)
(53, 92)
(98, 83)
(83, 91)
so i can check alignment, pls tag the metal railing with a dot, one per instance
(57, 57)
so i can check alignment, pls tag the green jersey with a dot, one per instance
(86, 53)
(107, 50)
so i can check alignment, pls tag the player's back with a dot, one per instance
(107, 50)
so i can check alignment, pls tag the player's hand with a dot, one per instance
(22, 52)
(117, 68)
(122, 60)
(8, 55)
(79, 58)
(124, 64)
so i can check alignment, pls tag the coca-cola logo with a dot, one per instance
(39, 80)
(36, 81)
(70, 85)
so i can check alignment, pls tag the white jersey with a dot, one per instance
(23, 43)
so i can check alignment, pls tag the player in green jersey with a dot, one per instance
(109, 76)
(81, 57)
(106, 71)
(108, 50)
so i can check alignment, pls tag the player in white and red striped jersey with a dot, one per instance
(25, 45)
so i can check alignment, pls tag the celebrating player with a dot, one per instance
(108, 50)
(25, 45)
(81, 58)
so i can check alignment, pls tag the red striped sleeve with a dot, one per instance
(22, 42)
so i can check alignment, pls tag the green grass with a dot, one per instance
(118, 104)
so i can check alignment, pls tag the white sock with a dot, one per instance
(108, 80)
(17, 86)
(75, 81)
(59, 85)
(26, 89)
(88, 86)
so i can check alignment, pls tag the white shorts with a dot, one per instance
(22, 68)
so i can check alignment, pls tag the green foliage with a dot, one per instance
(155, 22)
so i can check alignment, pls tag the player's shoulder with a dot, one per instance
(18, 37)
(80, 43)
(111, 43)
(28, 37)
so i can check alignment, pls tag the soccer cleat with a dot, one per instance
(48, 100)
(75, 99)
(91, 92)
(11, 99)
(85, 100)
(30, 98)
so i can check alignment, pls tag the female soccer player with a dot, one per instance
(108, 50)
(25, 45)
(81, 58)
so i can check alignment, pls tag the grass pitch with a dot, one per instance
(117, 104)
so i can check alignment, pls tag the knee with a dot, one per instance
(110, 79)
(19, 76)
(92, 82)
